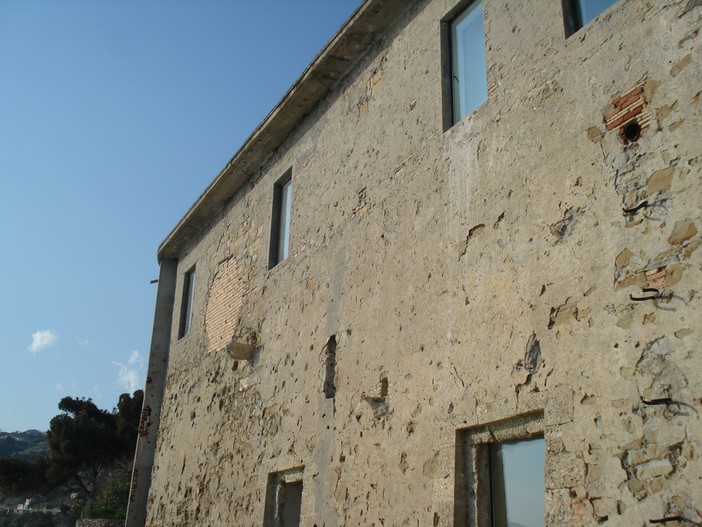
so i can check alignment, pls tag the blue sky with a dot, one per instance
(114, 117)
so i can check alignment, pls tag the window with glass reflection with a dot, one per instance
(500, 478)
(280, 222)
(579, 13)
(516, 472)
(468, 65)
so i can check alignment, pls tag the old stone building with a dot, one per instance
(457, 266)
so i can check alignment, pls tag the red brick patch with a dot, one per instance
(626, 108)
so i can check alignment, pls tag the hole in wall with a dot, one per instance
(330, 359)
(631, 132)
(384, 387)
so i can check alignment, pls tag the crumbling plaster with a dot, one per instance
(485, 271)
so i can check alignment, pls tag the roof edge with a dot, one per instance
(331, 65)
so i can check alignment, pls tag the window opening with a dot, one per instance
(186, 304)
(329, 385)
(468, 64)
(280, 223)
(284, 499)
(292, 504)
(517, 483)
(579, 13)
(500, 474)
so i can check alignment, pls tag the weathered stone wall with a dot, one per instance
(468, 276)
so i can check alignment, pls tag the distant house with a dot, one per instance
(452, 279)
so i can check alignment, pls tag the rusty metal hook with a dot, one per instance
(635, 209)
(674, 519)
(665, 400)
(656, 294)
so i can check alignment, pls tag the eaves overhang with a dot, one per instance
(357, 36)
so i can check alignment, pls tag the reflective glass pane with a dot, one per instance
(589, 9)
(284, 232)
(469, 71)
(517, 481)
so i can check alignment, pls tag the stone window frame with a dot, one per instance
(447, 61)
(279, 228)
(472, 493)
(185, 323)
(275, 494)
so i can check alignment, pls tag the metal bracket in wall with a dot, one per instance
(667, 401)
(656, 293)
(633, 210)
(679, 519)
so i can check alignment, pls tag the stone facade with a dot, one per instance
(533, 269)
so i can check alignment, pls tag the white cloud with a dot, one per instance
(130, 376)
(135, 358)
(59, 386)
(42, 339)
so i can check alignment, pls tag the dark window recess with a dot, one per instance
(292, 504)
(186, 303)
(330, 359)
(284, 499)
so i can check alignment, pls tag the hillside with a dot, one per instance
(28, 445)
(24, 445)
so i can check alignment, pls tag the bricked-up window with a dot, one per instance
(579, 13)
(500, 474)
(186, 303)
(468, 65)
(280, 222)
(284, 499)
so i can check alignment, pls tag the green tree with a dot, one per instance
(84, 442)
(19, 477)
(128, 415)
(112, 495)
